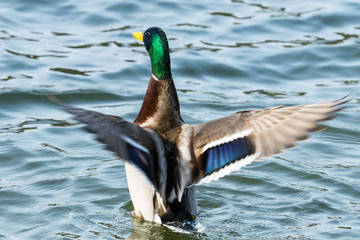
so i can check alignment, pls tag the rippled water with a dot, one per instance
(57, 182)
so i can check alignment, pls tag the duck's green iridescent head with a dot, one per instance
(157, 46)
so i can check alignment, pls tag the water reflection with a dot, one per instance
(89, 45)
(192, 25)
(236, 45)
(15, 77)
(9, 36)
(33, 124)
(62, 34)
(33, 56)
(310, 40)
(147, 230)
(224, 14)
(274, 94)
(127, 27)
(74, 71)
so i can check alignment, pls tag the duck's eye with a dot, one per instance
(147, 34)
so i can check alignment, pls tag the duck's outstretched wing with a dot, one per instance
(141, 147)
(226, 144)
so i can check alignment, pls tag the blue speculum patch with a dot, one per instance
(224, 154)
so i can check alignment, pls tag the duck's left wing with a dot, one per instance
(140, 147)
(226, 144)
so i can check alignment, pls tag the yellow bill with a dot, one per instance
(138, 36)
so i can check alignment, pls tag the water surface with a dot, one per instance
(57, 182)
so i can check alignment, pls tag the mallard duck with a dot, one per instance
(165, 157)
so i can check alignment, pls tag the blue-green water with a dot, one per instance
(57, 182)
